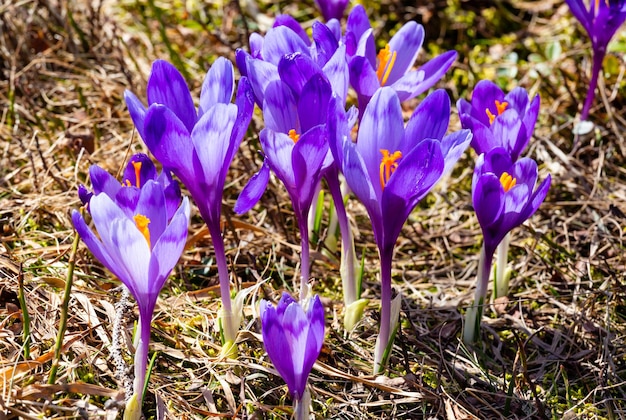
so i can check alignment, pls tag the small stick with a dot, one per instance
(25, 315)
(64, 308)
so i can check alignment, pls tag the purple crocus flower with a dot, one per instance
(296, 147)
(392, 66)
(601, 19)
(139, 244)
(332, 9)
(504, 196)
(499, 120)
(391, 168)
(293, 340)
(138, 171)
(198, 146)
(323, 54)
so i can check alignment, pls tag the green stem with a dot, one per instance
(25, 315)
(64, 309)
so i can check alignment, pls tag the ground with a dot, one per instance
(556, 348)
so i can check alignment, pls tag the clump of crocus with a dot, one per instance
(198, 147)
(390, 169)
(293, 334)
(140, 243)
(499, 120)
(332, 9)
(393, 65)
(504, 196)
(295, 145)
(601, 19)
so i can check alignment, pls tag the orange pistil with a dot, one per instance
(386, 60)
(500, 108)
(137, 166)
(293, 135)
(142, 223)
(507, 181)
(388, 165)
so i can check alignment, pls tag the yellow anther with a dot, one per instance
(126, 183)
(137, 166)
(386, 60)
(142, 223)
(293, 135)
(500, 108)
(388, 165)
(507, 181)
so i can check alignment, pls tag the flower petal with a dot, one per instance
(296, 70)
(137, 111)
(307, 158)
(253, 190)
(313, 103)
(381, 128)
(275, 343)
(279, 108)
(281, 41)
(336, 70)
(218, 85)
(211, 140)
(406, 44)
(416, 174)
(260, 74)
(169, 247)
(146, 172)
(427, 76)
(429, 120)
(169, 141)
(168, 87)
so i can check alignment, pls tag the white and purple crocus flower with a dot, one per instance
(323, 53)
(138, 239)
(499, 120)
(296, 146)
(391, 168)
(393, 65)
(601, 19)
(504, 196)
(198, 147)
(293, 336)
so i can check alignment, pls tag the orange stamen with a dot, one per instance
(507, 181)
(293, 135)
(500, 108)
(137, 166)
(142, 223)
(388, 165)
(386, 60)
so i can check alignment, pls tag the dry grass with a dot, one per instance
(555, 349)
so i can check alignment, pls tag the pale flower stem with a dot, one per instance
(229, 329)
(301, 406)
(598, 58)
(348, 280)
(312, 213)
(474, 313)
(385, 308)
(501, 284)
(141, 355)
(304, 260)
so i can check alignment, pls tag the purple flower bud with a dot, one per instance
(293, 339)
